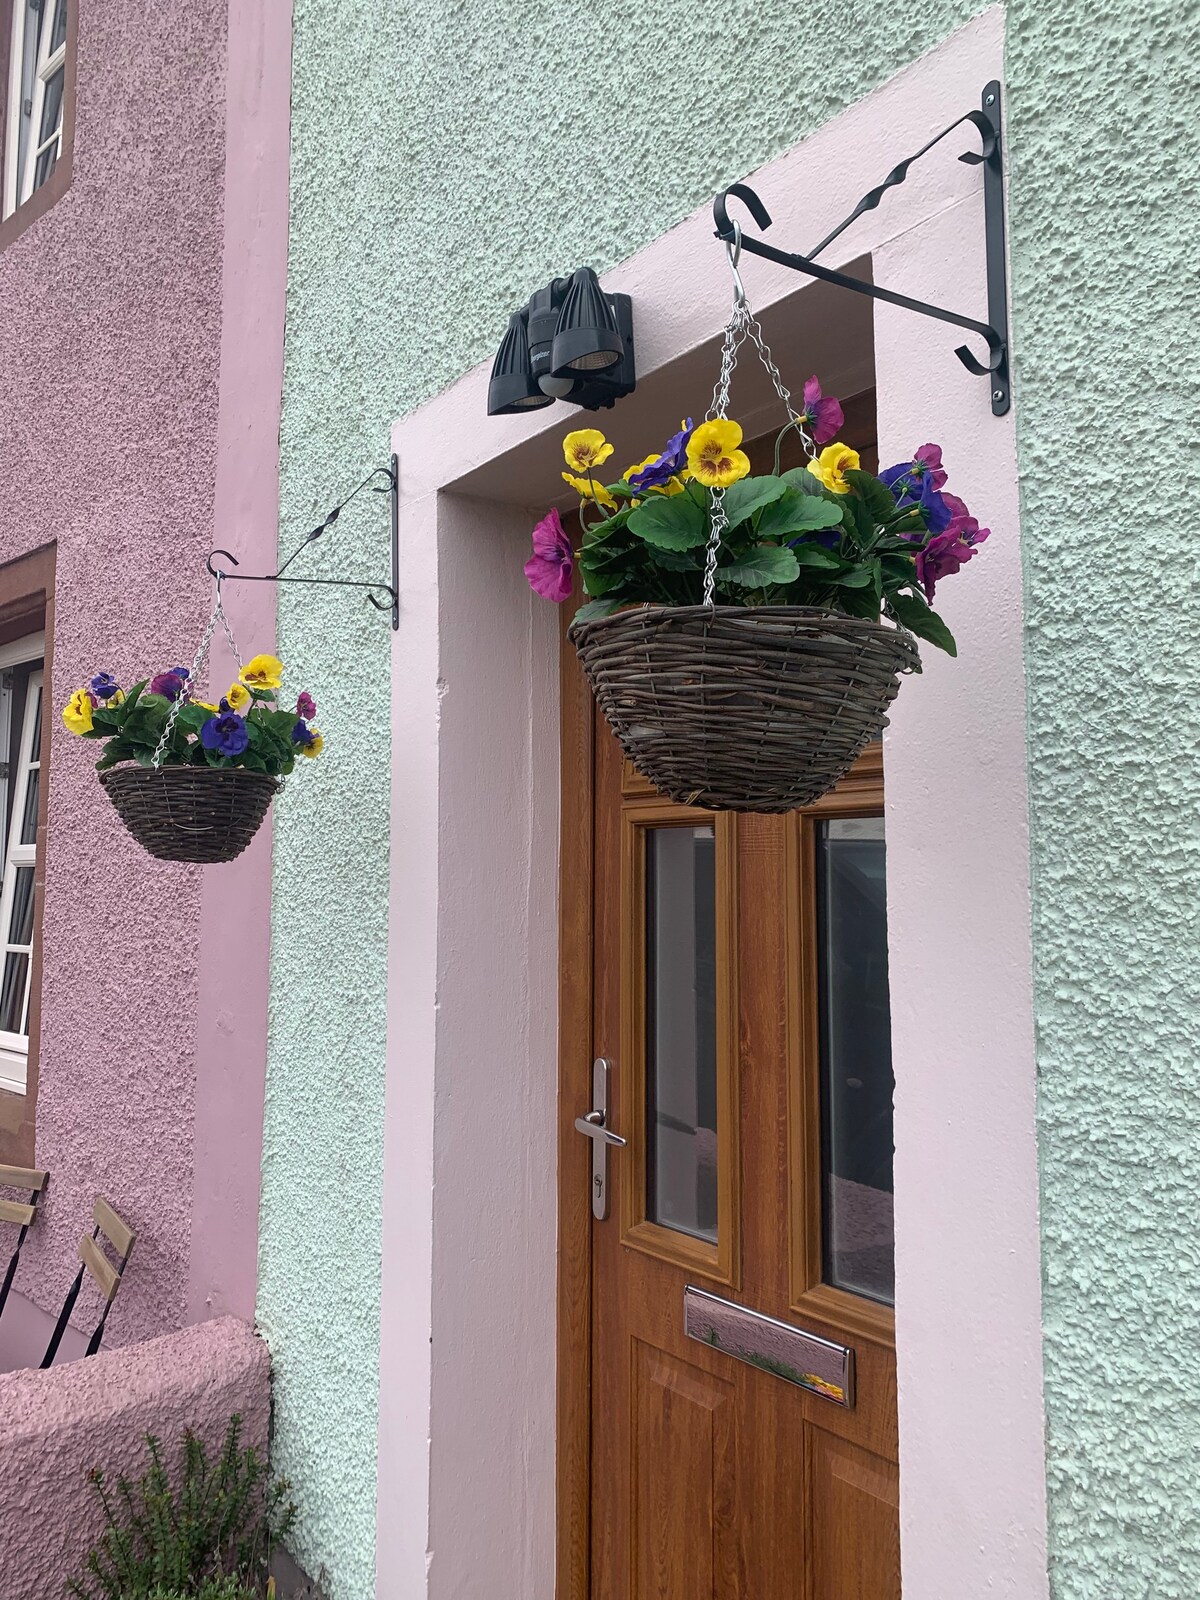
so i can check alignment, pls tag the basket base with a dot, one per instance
(201, 815)
(743, 709)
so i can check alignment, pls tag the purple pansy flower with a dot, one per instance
(951, 549)
(822, 414)
(917, 483)
(226, 734)
(306, 706)
(302, 734)
(168, 684)
(550, 568)
(672, 461)
(104, 685)
(181, 672)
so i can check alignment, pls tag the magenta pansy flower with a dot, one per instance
(306, 706)
(822, 413)
(169, 684)
(550, 568)
(949, 551)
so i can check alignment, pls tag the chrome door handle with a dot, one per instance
(594, 1126)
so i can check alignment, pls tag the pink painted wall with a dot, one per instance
(141, 322)
(56, 1426)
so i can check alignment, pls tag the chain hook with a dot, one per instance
(733, 254)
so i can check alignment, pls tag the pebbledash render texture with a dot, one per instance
(420, 215)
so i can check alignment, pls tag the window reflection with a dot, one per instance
(681, 1015)
(856, 1057)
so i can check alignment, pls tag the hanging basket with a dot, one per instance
(743, 709)
(202, 814)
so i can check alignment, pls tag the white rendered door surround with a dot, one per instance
(467, 1398)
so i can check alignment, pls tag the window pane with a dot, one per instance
(46, 164)
(29, 820)
(20, 926)
(35, 738)
(60, 26)
(856, 1057)
(12, 993)
(52, 105)
(681, 1017)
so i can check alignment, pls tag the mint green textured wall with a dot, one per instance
(446, 159)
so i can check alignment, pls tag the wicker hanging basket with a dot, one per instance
(743, 709)
(203, 814)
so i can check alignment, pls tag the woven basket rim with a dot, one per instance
(884, 630)
(134, 769)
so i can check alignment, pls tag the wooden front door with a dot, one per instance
(732, 970)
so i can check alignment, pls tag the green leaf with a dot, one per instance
(594, 609)
(192, 717)
(808, 483)
(674, 560)
(917, 617)
(876, 496)
(598, 583)
(816, 555)
(761, 566)
(672, 522)
(858, 521)
(252, 762)
(857, 577)
(899, 571)
(600, 531)
(114, 752)
(797, 512)
(748, 495)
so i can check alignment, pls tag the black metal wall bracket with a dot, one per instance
(374, 590)
(995, 331)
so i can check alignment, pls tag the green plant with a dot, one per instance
(827, 535)
(217, 1525)
(210, 1589)
(160, 721)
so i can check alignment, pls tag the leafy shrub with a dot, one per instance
(209, 1539)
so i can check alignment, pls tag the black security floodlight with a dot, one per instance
(513, 386)
(586, 338)
(570, 342)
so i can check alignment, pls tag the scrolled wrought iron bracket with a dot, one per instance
(994, 332)
(375, 591)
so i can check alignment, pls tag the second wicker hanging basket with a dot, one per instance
(743, 708)
(201, 814)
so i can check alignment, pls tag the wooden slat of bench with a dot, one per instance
(22, 1178)
(15, 1211)
(118, 1232)
(100, 1267)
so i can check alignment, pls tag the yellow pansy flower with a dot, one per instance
(117, 698)
(586, 489)
(264, 672)
(238, 695)
(834, 461)
(713, 454)
(204, 705)
(313, 745)
(77, 713)
(585, 449)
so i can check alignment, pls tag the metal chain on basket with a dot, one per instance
(186, 693)
(743, 325)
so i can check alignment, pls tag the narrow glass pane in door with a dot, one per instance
(856, 1057)
(681, 1024)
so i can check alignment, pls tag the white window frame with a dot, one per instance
(20, 167)
(15, 772)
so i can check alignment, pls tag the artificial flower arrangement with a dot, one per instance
(826, 535)
(246, 730)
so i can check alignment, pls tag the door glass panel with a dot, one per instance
(856, 1057)
(681, 1030)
